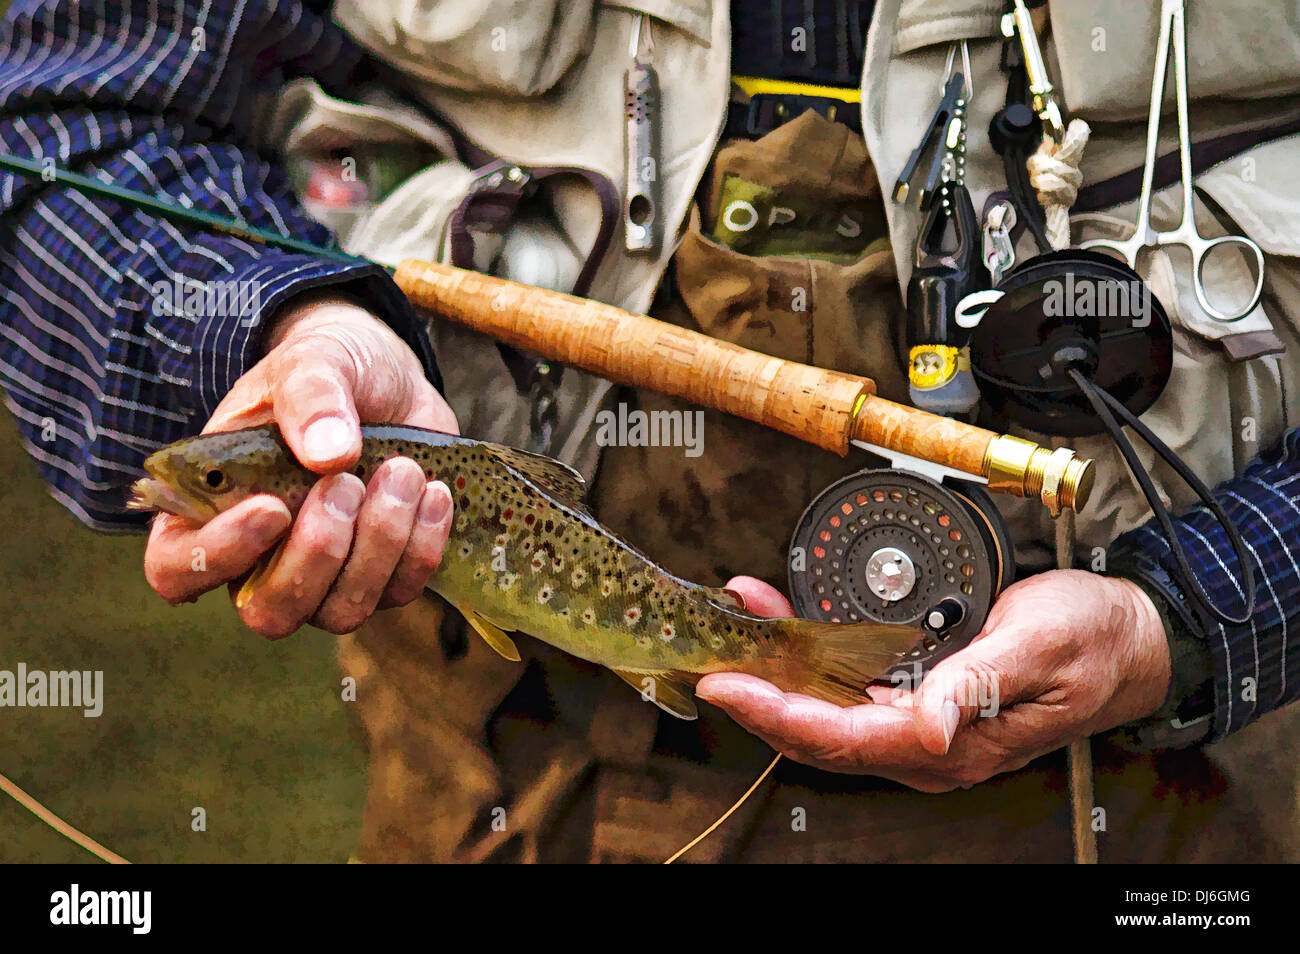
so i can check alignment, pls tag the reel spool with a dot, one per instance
(892, 546)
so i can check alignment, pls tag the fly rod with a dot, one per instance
(830, 409)
(163, 208)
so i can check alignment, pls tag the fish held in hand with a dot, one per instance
(525, 556)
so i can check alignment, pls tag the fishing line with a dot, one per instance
(743, 798)
(165, 208)
(62, 827)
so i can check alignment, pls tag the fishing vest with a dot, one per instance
(569, 755)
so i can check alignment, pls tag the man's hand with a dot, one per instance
(329, 365)
(1062, 655)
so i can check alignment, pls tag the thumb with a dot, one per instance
(312, 390)
(759, 597)
(975, 682)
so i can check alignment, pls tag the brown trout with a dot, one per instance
(524, 555)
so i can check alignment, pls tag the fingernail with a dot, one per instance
(403, 485)
(706, 690)
(436, 503)
(326, 439)
(342, 499)
(951, 716)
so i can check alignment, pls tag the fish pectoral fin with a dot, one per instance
(674, 692)
(493, 635)
(263, 568)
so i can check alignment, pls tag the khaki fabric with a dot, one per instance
(1101, 52)
(493, 47)
(542, 84)
(538, 84)
(1244, 50)
(411, 222)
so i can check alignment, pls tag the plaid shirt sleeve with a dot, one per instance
(1257, 665)
(98, 363)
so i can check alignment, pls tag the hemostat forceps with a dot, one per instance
(1173, 27)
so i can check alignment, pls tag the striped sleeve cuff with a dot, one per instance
(1257, 664)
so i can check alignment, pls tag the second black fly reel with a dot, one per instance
(893, 546)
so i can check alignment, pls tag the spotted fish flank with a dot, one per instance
(525, 556)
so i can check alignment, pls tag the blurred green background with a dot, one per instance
(198, 711)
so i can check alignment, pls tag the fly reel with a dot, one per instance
(892, 546)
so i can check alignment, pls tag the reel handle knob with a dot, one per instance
(945, 614)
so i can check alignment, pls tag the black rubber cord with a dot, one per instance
(1103, 404)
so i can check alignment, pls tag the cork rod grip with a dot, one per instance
(812, 404)
(923, 435)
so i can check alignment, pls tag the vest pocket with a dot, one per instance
(1106, 52)
(488, 47)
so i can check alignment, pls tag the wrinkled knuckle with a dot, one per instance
(305, 354)
(984, 680)
(325, 538)
(984, 669)
(313, 535)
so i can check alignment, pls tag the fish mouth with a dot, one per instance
(150, 493)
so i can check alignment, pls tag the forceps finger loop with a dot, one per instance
(1201, 250)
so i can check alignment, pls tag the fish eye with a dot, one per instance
(215, 478)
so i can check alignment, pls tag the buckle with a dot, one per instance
(768, 111)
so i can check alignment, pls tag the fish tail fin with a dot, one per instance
(836, 661)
